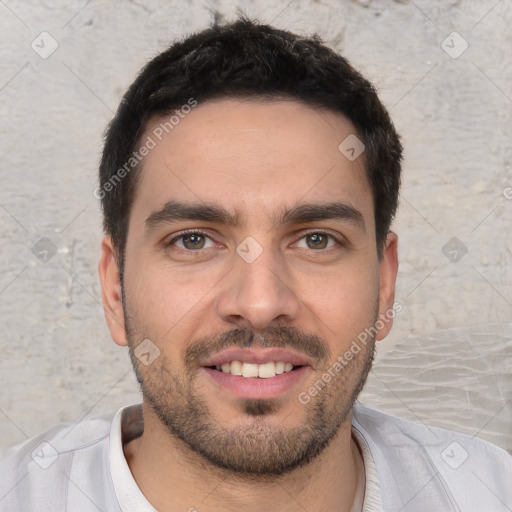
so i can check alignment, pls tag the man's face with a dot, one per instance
(251, 243)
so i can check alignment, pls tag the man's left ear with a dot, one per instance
(388, 268)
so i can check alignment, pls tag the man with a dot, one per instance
(248, 183)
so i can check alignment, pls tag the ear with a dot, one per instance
(111, 292)
(388, 269)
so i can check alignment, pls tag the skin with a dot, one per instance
(256, 159)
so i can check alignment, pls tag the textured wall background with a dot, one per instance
(451, 104)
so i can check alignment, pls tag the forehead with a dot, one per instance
(253, 157)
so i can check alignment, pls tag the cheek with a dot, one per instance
(343, 303)
(169, 301)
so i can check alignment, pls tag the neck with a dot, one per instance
(173, 477)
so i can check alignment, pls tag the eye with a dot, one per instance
(192, 241)
(317, 240)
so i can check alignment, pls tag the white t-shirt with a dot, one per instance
(408, 468)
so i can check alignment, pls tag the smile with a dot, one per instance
(257, 372)
(250, 370)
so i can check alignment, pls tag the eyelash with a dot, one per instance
(202, 233)
(185, 233)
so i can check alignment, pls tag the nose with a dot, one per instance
(258, 295)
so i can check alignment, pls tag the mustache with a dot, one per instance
(278, 337)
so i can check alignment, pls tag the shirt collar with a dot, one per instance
(128, 425)
(372, 492)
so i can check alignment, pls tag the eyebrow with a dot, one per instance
(317, 212)
(174, 211)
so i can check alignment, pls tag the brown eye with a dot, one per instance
(193, 241)
(317, 241)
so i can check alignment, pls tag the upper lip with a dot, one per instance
(257, 356)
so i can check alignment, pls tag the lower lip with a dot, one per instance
(255, 388)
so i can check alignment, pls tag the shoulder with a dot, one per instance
(427, 464)
(398, 432)
(40, 471)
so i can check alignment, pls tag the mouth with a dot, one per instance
(257, 373)
(252, 370)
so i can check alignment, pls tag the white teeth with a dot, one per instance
(279, 367)
(236, 368)
(249, 370)
(267, 370)
(263, 371)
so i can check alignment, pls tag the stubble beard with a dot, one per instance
(254, 449)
